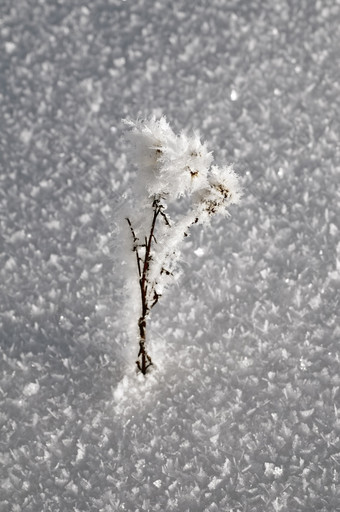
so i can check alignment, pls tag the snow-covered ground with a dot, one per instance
(243, 410)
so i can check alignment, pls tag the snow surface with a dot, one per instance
(243, 410)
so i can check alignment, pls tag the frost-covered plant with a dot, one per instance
(169, 166)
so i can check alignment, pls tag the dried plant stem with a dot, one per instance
(144, 360)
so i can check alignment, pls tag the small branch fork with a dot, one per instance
(143, 265)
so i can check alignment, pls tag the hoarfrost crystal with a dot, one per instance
(169, 165)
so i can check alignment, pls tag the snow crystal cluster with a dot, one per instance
(173, 165)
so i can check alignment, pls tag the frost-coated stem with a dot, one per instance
(171, 166)
(144, 360)
(135, 246)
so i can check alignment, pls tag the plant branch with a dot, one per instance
(135, 247)
(146, 361)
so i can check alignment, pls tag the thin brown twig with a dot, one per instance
(146, 361)
(135, 247)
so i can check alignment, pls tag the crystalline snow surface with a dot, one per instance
(241, 412)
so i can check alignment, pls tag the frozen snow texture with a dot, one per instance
(31, 389)
(252, 370)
